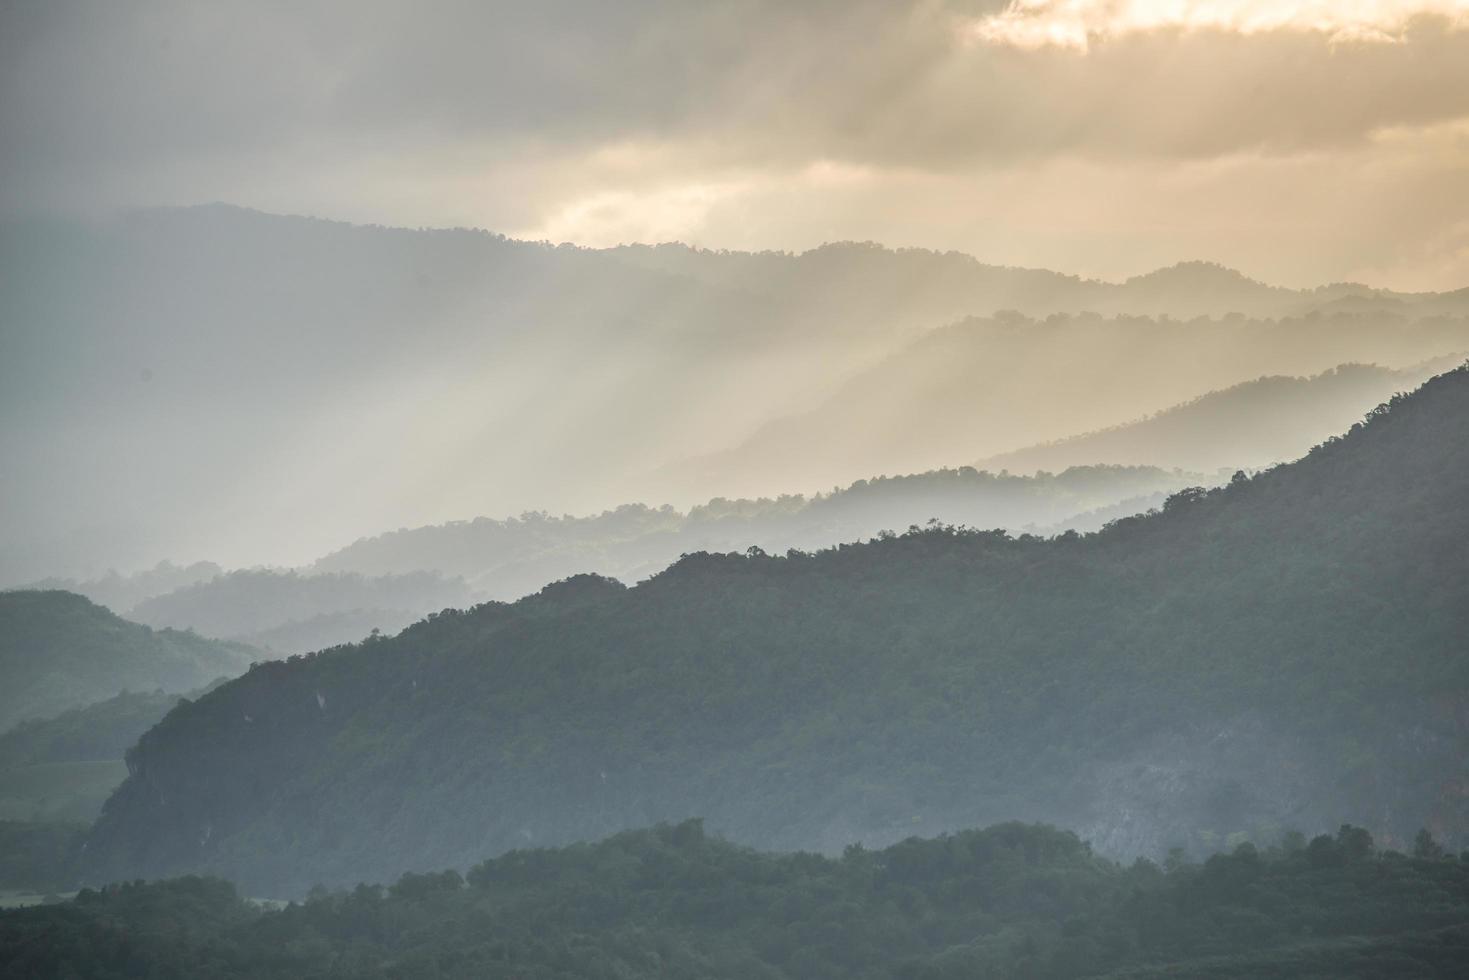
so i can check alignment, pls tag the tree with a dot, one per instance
(1425, 848)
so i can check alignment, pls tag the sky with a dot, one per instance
(1301, 141)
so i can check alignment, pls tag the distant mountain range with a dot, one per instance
(389, 581)
(207, 381)
(986, 387)
(512, 558)
(1283, 651)
(1247, 426)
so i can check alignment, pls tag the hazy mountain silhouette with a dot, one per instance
(389, 581)
(1286, 648)
(1268, 420)
(289, 612)
(984, 387)
(203, 381)
(507, 559)
(59, 650)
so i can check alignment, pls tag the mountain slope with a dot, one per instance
(1285, 650)
(983, 387)
(1254, 424)
(59, 650)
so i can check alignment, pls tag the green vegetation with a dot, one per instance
(59, 650)
(1288, 648)
(1008, 901)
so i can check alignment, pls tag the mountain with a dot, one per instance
(59, 650)
(1285, 650)
(196, 381)
(122, 592)
(288, 612)
(1247, 426)
(506, 559)
(982, 388)
(672, 901)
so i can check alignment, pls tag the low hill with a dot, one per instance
(1008, 901)
(1241, 427)
(1287, 649)
(59, 650)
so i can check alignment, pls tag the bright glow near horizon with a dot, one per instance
(1076, 23)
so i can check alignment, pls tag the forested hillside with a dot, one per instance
(59, 650)
(1239, 427)
(1008, 901)
(1286, 650)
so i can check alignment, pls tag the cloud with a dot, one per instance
(645, 118)
(1078, 23)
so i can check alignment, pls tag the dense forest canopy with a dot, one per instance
(1287, 648)
(1010, 900)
